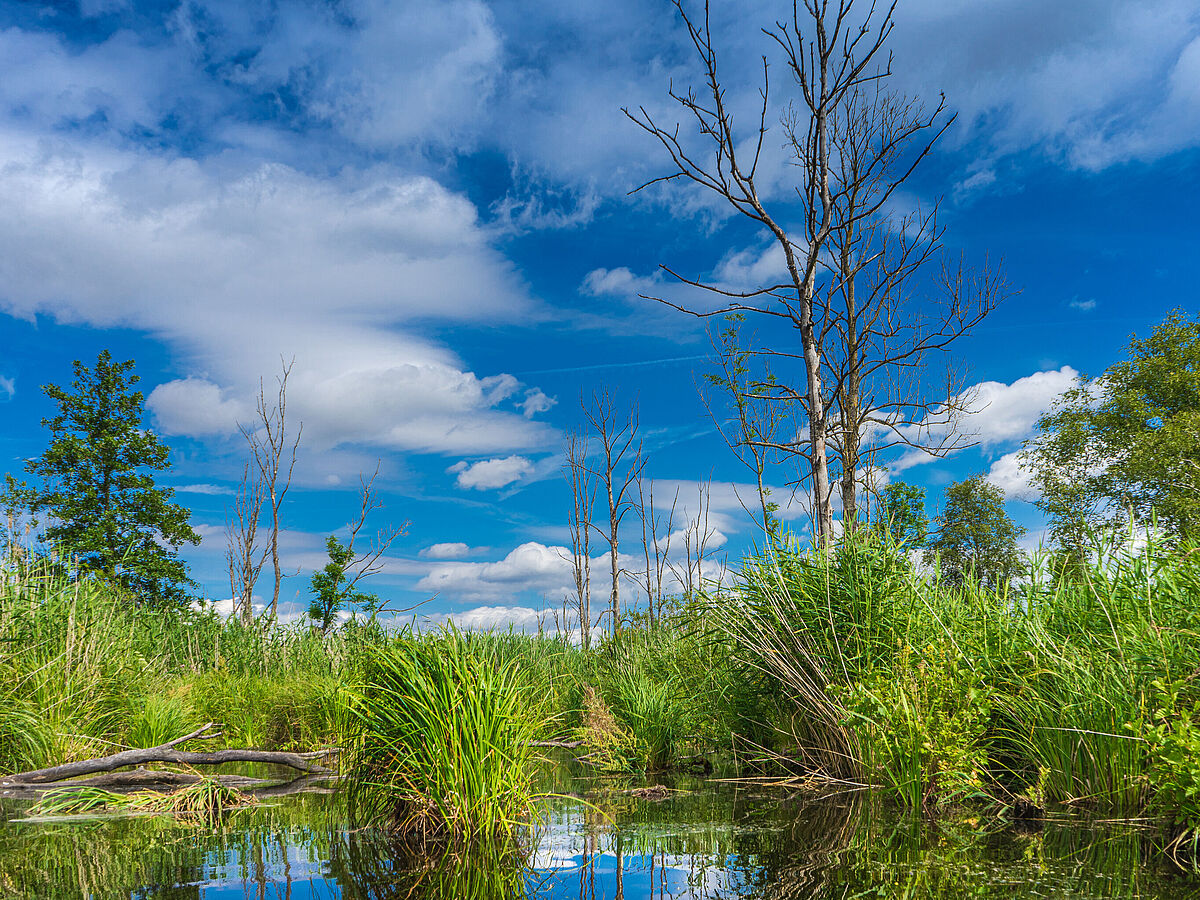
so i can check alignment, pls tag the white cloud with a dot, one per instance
(614, 282)
(1003, 413)
(489, 474)
(196, 407)
(1094, 82)
(449, 550)
(536, 402)
(753, 267)
(1083, 305)
(530, 567)
(491, 618)
(215, 490)
(1011, 477)
(239, 267)
(8, 388)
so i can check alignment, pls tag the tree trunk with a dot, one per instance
(302, 762)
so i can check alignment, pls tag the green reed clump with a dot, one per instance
(441, 741)
(1079, 684)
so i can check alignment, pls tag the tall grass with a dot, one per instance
(83, 672)
(1071, 687)
(441, 742)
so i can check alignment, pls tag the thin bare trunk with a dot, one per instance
(276, 461)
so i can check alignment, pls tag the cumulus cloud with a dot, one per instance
(489, 474)
(491, 618)
(449, 550)
(530, 567)
(1010, 476)
(544, 570)
(1002, 413)
(194, 406)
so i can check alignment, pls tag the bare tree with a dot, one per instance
(618, 466)
(884, 326)
(697, 533)
(830, 56)
(656, 544)
(244, 556)
(275, 459)
(579, 524)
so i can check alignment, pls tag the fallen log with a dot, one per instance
(165, 753)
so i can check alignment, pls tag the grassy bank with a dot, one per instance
(1076, 687)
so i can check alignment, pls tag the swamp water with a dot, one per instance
(706, 840)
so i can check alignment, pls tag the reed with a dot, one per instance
(440, 746)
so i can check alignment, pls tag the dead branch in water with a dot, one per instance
(165, 753)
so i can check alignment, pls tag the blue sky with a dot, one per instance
(426, 205)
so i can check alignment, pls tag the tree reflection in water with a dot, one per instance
(706, 844)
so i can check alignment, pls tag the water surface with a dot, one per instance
(707, 840)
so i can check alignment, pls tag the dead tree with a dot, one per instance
(244, 556)
(656, 544)
(620, 463)
(697, 533)
(579, 525)
(886, 319)
(276, 460)
(830, 56)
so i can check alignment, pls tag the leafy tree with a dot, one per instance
(1127, 443)
(902, 513)
(335, 586)
(97, 492)
(976, 540)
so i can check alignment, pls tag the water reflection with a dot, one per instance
(708, 843)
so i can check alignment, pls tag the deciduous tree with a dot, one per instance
(1126, 443)
(976, 540)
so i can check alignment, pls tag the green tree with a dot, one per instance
(1127, 443)
(97, 492)
(902, 513)
(335, 586)
(976, 539)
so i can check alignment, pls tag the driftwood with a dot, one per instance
(165, 753)
(162, 780)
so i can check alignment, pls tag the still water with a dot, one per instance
(706, 840)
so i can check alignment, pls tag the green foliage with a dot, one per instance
(333, 588)
(653, 715)
(902, 514)
(924, 726)
(156, 719)
(1126, 443)
(441, 744)
(82, 670)
(1173, 739)
(757, 417)
(102, 505)
(976, 540)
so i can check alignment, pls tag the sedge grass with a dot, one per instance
(441, 742)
